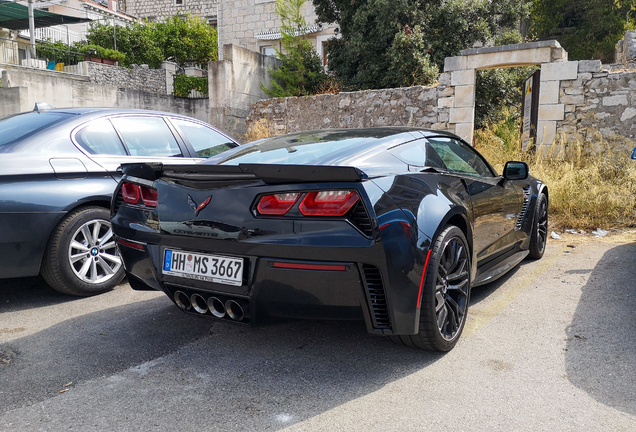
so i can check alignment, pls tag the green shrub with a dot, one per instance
(183, 84)
(181, 39)
(105, 53)
(58, 51)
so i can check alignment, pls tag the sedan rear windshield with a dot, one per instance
(17, 127)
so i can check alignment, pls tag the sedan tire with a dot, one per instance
(82, 258)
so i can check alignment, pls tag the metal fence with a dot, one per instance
(12, 52)
(54, 34)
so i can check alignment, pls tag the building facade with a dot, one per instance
(156, 10)
(104, 11)
(251, 24)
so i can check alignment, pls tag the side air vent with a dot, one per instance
(360, 219)
(524, 208)
(376, 296)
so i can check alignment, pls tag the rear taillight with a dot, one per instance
(132, 193)
(149, 196)
(278, 204)
(328, 203)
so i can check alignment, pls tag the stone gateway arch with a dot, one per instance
(555, 67)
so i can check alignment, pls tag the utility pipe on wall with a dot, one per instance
(32, 30)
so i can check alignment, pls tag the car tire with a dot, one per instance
(443, 306)
(539, 235)
(82, 258)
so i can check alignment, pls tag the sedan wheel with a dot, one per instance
(93, 254)
(82, 257)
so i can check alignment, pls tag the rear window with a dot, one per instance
(205, 141)
(418, 153)
(299, 149)
(17, 127)
(99, 137)
(147, 136)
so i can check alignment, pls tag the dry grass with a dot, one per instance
(590, 184)
(331, 85)
(259, 130)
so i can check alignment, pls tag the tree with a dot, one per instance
(585, 28)
(384, 41)
(136, 41)
(300, 71)
(186, 40)
(182, 39)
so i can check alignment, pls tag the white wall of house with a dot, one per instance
(254, 24)
(250, 24)
(105, 13)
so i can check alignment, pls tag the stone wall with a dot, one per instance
(600, 104)
(137, 78)
(156, 10)
(581, 100)
(626, 48)
(22, 87)
(412, 106)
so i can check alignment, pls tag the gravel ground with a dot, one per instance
(550, 347)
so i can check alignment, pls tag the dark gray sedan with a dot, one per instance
(58, 171)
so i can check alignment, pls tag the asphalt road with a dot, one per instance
(550, 347)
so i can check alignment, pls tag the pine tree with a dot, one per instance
(300, 71)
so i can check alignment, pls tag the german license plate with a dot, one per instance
(204, 267)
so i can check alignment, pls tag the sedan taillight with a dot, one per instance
(132, 193)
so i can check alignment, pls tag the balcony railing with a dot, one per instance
(12, 52)
(54, 34)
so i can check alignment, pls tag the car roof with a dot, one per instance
(364, 148)
(370, 132)
(102, 111)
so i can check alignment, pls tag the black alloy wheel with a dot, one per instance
(451, 289)
(445, 294)
(539, 236)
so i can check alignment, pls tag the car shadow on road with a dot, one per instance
(21, 294)
(601, 340)
(28, 293)
(338, 361)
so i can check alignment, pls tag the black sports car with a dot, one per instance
(58, 172)
(390, 225)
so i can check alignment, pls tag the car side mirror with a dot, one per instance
(634, 153)
(516, 170)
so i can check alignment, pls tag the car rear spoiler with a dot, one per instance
(268, 173)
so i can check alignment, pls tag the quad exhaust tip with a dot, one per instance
(235, 310)
(216, 306)
(199, 304)
(182, 300)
